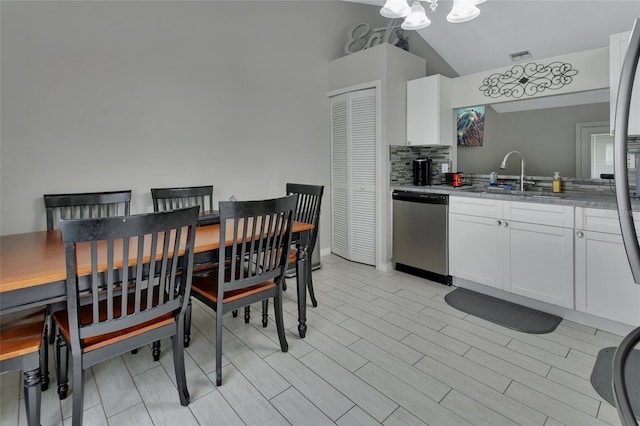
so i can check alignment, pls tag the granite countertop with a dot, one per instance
(602, 200)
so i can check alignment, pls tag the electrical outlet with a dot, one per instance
(445, 167)
(631, 161)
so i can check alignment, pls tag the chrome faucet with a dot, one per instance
(503, 166)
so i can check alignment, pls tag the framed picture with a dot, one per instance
(470, 125)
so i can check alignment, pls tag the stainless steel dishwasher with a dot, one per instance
(420, 234)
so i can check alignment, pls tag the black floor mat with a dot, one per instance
(507, 314)
(601, 377)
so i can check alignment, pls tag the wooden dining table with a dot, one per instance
(33, 268)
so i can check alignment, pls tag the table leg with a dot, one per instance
(302, 265)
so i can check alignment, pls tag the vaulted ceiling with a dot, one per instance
(544, 27)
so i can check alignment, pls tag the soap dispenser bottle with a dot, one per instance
(556, 184)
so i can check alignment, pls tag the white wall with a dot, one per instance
(592, 68)
(132, 95)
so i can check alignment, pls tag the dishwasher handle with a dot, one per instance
(420, 197)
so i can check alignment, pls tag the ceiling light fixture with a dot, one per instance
(416, 17)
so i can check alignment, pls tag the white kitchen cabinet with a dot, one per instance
(524, 248)
(477, 249)
(353, 175)
(477, 245)
(617, 49)
(541, 262)
(429, 113)
(604, 284)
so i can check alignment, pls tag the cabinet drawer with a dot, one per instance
(601, 220)
(482, 207)
(541, 214)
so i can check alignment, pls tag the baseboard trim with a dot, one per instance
(569, 314)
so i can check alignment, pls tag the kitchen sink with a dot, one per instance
(535, 193)
(549, 195)
(492, 190)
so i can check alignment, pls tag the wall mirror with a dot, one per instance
(594, 149)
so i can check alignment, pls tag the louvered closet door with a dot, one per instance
(339, 177)
(353, 134)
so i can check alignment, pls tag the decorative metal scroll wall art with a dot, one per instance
(528, 80)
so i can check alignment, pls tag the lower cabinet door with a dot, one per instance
(604, 285)
(541, 262)
(477, 249)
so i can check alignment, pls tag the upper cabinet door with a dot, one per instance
(617, 49)
(429, 114)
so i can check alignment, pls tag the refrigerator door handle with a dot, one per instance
(629, 236)
(620, 136)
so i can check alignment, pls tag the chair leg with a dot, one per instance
(51, 329)
(312, 295)
(78, 390)
(284, 284)
(247, 314)
(219, 347)
(155, 350)
(265, 313)
(62, 367)
(44, 363)
(187, 320)
(277, 310)
(178, 364)
(32, 387)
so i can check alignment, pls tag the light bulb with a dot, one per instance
(463, 11)
(417, 19)
(395, 9)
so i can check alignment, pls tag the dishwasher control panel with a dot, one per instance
(420, 197)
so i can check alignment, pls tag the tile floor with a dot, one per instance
(382, 348)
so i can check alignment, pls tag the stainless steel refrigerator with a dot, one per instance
(629, 235)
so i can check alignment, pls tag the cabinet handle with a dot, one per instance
(499, 222)
(580, 234)
(506, 224)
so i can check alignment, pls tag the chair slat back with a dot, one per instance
(262, 231)
(175, 198)
(148, 258)
(308, 207)
(85, 205)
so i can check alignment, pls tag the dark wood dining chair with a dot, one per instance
(86, 205)
(172, 198)
(23, 347)
(113, 309)
(78, 206)
(175, 198)
(253, 269)
(308, 211)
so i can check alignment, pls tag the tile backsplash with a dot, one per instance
(401, 158)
